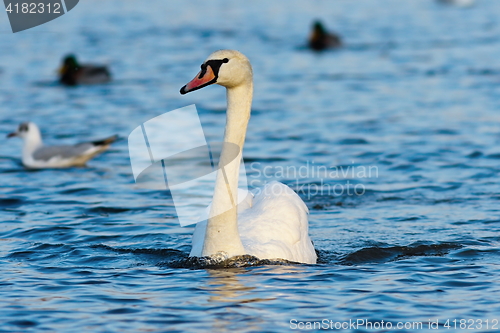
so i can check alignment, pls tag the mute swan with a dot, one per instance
(73, 73)
(271, 225)
(321, 39)
(38, 156)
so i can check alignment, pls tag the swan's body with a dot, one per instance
(38, 156)
(271, 225)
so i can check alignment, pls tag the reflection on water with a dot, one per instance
(230, 289)
(227, 291)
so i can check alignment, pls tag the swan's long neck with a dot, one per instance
(222, 229)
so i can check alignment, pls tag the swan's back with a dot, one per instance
(276, 226)
(272, 225)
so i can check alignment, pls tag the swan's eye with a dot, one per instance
(203, 71)
(214, 65)
(23, 128)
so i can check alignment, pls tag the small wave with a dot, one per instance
(475, 154)
(221, 261)
(175, 254)
(494, 156)
(11, 202)
(249, 160)
(80, 190)
(173, 258)
(484, 71)
(108, 210)
(385, 254)
(353, 141)
(23, 323)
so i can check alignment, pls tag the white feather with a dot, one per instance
(272, 225)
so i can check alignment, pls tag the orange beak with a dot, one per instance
(204, 78)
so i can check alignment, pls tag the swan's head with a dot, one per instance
(25, 131)
(228, 68)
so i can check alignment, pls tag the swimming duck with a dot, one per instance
(321, 39)
(73, 73)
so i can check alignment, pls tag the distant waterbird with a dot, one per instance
(320, 39)
(73, 73)
(36, 155)
(459, 3)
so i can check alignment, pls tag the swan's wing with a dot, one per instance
(245, 199)
(276, 226)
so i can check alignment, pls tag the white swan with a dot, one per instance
(271, 225)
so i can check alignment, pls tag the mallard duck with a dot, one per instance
(321, 39)
(73, 73)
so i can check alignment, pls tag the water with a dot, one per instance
(414, 96)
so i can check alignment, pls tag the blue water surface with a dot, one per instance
(413, 100)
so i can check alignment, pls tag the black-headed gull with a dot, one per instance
(38, 156)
